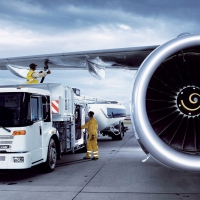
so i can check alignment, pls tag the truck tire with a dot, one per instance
(50, 163)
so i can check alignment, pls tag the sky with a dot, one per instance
(34, 27)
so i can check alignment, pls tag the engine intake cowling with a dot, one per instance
(166, 103)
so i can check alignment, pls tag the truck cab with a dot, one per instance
(35, 131)
(25, 120)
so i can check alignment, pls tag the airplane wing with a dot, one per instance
(94, 61)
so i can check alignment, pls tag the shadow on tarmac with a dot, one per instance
(71, 162)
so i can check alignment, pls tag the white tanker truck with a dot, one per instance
(109, 114)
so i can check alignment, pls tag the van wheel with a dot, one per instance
(121, 130)
(50, 164)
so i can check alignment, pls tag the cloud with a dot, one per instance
(43, 27)
(124, 27)
(32, 27)
(43, 16)
(25, 42)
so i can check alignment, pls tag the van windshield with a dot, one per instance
(116, 112)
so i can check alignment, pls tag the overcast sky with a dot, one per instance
(32, 27)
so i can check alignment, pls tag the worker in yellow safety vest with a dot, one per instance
(92, 146)
(31, 77)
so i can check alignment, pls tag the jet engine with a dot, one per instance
(165, 105)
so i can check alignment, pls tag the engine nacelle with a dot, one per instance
(166, 103)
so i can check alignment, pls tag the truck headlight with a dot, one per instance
(18, 159)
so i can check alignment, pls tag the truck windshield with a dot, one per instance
(14, 110)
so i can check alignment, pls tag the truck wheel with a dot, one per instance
(121, 130)
(50, 164)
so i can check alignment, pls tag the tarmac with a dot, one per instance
(118, 174)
